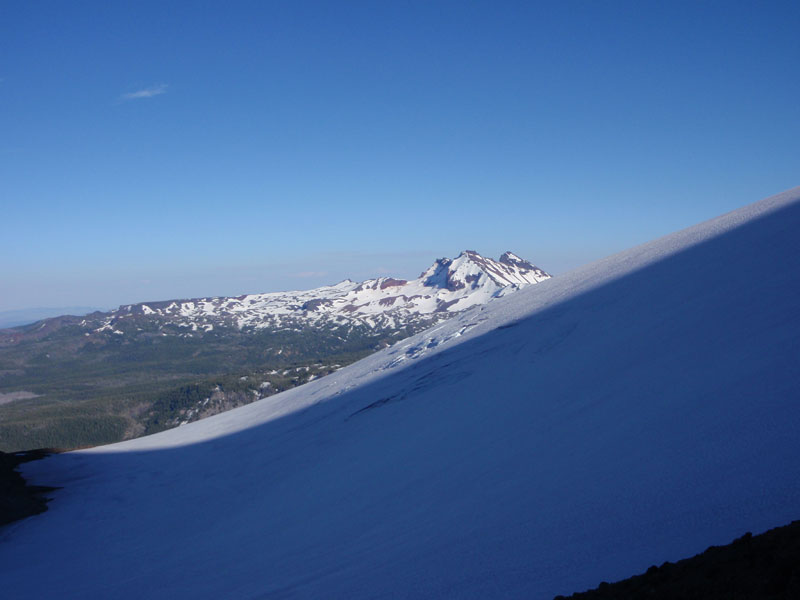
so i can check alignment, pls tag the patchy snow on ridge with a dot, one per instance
(448, 286)
(632, 411)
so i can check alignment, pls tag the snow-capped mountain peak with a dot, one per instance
(446, 287)
(470, 269)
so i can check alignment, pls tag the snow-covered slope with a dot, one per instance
(448, 286)
(632, 411)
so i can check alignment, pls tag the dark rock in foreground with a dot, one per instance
(18, 499)
(749, 568)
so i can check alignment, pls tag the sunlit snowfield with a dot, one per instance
(632, 411)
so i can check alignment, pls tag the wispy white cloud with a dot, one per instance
(155, 90)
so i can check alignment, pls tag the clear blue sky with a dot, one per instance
(152, 150)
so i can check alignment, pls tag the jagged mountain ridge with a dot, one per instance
(446, 287)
